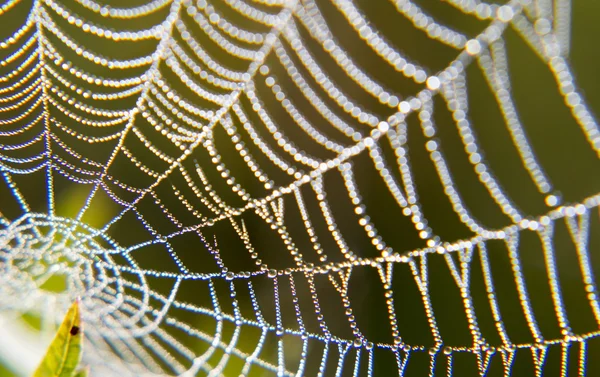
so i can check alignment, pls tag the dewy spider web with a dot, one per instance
(226, 151)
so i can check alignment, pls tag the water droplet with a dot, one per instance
(229, 276)
(505, 13)
(272, 273)
(552, 200)
(473, 47)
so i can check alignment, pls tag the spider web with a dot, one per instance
(242, 186)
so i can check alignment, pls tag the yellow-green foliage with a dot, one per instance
(64, 354)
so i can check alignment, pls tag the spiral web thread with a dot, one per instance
(71, 114)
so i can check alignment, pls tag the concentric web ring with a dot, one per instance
(301, 188)
(37, 248)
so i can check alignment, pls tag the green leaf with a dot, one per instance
(83, 372)
(63, 356)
